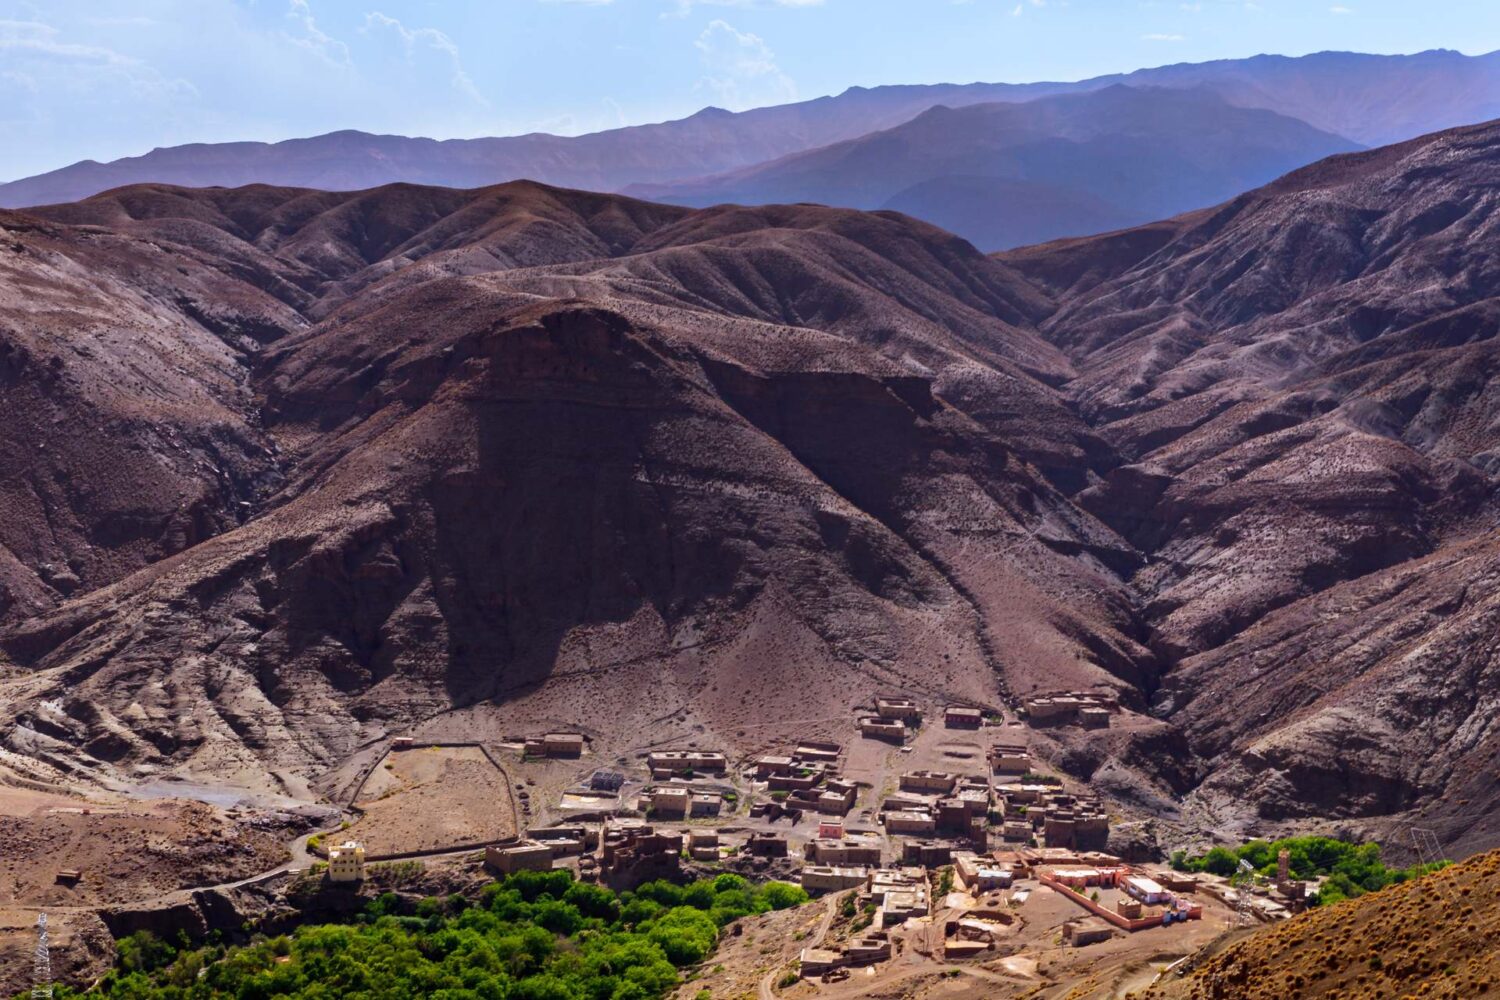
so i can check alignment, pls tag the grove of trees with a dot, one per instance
(1348, 869)
(532, 936)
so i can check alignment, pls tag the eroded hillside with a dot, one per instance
(708, 460)
(1299, 385)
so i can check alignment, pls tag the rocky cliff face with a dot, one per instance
(130, 432)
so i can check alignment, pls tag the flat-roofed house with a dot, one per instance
(963, 717)
(1086, 932)
(346, 862)
(818, 878)
(671, 801)
(1147, 890)
(773, 764)
(919, 824)
(529, 855)
(1009, 758)
(937, 782)
(898, 708)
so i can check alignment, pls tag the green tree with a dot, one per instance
(1220, 861)
(783, 895)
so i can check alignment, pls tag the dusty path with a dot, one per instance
(766, 988)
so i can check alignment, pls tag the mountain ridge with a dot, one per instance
(1458, 90)
(998, 173)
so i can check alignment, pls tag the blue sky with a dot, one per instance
(107, 78)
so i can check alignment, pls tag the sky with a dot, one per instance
(101, 79)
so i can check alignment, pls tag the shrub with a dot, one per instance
(783, 895)
(1220, 861)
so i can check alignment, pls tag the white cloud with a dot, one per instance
(38, 57)
(685, 7)
(741, 68)
(1340, 9)
(47, 74)
(80, 82)
(418, 41)
(313, 38)
(34, 37)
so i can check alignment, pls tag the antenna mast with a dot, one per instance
(1243, 880)
(41, 970)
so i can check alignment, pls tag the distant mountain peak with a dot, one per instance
(1370, 99)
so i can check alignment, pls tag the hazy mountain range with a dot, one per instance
(1004, 175)
(1359, 99)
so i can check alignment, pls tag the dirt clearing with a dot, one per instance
(125, 851)
(433, 797)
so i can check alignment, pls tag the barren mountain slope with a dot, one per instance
(128, 432)
(546, 458)
(1302, 383)
(918, 296)
(316, 248)
(127, 339)
(711, 480)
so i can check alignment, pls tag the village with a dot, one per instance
(940, 834)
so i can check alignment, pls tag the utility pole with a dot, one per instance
(41, 969)
(1425, 843)
(1243, 880)
(1429, 851)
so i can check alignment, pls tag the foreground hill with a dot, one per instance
(1432, 937)
(1003, 175)
(1365, 99)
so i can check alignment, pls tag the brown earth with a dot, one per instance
(531, 457)
(79, 946)
(434, 797)
(126, 851)
(1030, 961)
(1434, 937)
(498, 491)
